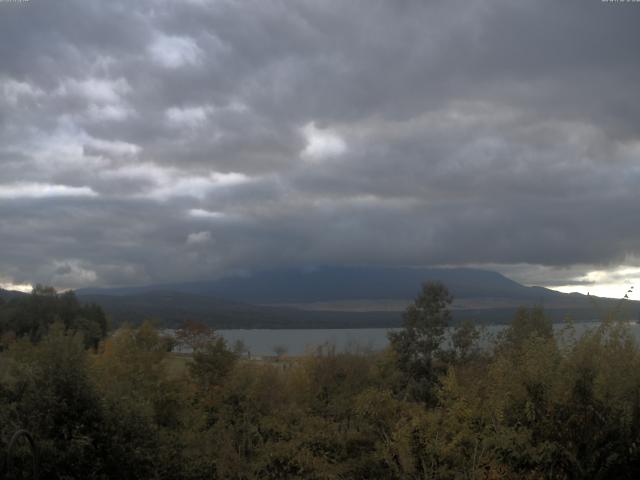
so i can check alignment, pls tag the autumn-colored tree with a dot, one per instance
(194, 336)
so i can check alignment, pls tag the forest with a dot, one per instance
(436, 404)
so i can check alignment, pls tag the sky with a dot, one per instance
(169, 140)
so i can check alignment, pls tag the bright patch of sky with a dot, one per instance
(613, 283)
(322, 143)
(199, 238)
(20, 190)
(16, 287)
(190, 116)
(175, 51)
(202, 213)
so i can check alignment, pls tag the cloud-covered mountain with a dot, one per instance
(338, 297)
(321, 284)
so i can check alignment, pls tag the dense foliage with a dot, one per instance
(535, 404)
(31, 316)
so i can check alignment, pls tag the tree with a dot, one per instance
(526, 324)
(48, 391)
(241, 349)
(32, 315)
(463, 340)
(418, 344)
(144, 406)
(212, 363)
(195, 336)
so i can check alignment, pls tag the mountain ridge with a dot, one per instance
(344, 283)
(337, 297)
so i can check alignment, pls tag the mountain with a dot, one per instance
(337, 297)
(346, 283)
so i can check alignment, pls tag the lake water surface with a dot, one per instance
(299, 341)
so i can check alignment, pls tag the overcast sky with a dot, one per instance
(159, 141)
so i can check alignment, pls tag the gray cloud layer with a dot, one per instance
(162, 140)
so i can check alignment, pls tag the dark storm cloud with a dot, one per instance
(164, 140)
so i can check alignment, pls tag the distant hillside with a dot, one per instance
(346, 283)
(338, 297)
(7, 294)
(171, 308)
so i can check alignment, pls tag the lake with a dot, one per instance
(261, 342)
